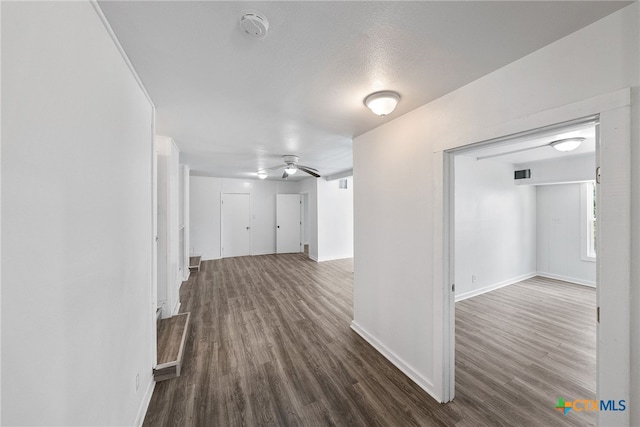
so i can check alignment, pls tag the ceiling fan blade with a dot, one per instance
(285, 175)
(309, 171)
(309, 168)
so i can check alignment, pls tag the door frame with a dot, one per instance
(222, 224)
(154, 242)
(614, 258)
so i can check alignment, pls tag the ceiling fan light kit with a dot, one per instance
(262, 175)
(568, 144)
(383, 102)
(291, 166)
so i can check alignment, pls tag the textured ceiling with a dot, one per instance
(235, 104)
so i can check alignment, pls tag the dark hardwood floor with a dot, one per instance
(270, 344)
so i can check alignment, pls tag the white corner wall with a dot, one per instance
(559, 254)
(185, 225)
(495, 227)
(398, 306)
(335, 220)
(77, 321)
(204, 212)
(170, 275)
(309, 186)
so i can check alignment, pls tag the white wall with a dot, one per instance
(562, 170)
(495, 227)
(169, 207)
(305, 219)
(205, 212)
(335, 220)
(559, 251)
(330, 222)
(310, 186)
(397, 304)
(77, 321)
(184, 220)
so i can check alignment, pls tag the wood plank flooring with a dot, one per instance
(270, 344)
(169, 335)
(520, 348)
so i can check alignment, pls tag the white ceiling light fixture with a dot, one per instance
(262, 175)
(254, 25)
(568, 144)
(291, 169)
(383, 102)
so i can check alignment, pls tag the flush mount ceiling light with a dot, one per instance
(382, 103)
(568, 144)
(262, 175)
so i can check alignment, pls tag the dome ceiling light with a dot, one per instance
(568, 144)
(382, 103)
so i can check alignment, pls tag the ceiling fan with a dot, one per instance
(291, 166)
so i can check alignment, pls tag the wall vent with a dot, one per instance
(522, 174)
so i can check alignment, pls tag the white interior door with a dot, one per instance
(288, 223)
(236, 225)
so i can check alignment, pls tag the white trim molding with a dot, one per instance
(116, 42)
(144, 405)
(424, 383)
(493, 287)
(568, 279)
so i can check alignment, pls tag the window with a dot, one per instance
(588, 223)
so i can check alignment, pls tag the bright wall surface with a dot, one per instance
(335, 220)
(495, 227)
(204, 200)
(77, 319)
(563, 170)
(397, 304)
(204, 212)
(169, 273)
(309, 186)
(559, 243)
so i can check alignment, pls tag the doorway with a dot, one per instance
(522, 306)
(612, 355)
(236, 224)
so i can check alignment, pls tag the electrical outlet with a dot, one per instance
(473, 279)
(137, 381)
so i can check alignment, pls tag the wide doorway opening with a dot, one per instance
(524, 234)
(611, 230)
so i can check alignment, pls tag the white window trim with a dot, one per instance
(587, 250)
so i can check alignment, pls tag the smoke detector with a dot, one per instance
(254, 24)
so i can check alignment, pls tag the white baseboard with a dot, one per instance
(489, 288)
(144, 405)
(176, 309)
(421, 381)
(568, 279)
(334, 258)
(313, 258)
(263, 253)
